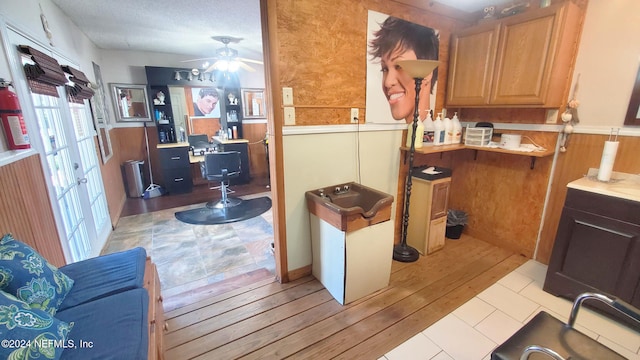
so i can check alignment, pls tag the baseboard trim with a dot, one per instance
(299, 273)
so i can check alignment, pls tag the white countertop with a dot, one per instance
(621, 185)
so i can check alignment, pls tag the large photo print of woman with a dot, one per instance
(391, 91)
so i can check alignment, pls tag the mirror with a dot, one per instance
(253, 103)
(101, 115)
(131, 102)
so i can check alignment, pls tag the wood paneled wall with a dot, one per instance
(502, 195)
(25, 210)
(112, 179)
(322, 51)
(584, 151)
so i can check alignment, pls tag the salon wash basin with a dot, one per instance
(349, 206)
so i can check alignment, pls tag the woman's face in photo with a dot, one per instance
(399, 87)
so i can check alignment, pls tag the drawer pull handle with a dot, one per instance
(175, 158)
(178, 179)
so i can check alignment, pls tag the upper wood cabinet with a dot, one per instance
(525, 60)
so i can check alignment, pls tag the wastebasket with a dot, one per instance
(456, 220)
(133, 178)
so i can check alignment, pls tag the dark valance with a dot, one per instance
(80, 89)
(45, 72)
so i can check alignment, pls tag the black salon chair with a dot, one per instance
(196, 139)
(545, 337)
(220, 167)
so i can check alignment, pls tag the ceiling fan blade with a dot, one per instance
(250, 61)
(211, 67)
(200, 59)
(246, 67)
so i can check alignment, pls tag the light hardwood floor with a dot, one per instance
(300, 319)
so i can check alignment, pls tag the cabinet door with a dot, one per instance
(440, 199)
(594, 252)
(435, 238)
(525, 56)
(471, 63)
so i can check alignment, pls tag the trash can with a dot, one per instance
(133, 178)
(456, 220)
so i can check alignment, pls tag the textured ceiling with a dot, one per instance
(186, 26)
(168, 26)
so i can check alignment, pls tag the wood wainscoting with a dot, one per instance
(25, 210)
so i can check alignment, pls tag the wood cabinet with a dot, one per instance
(176, 168)
(524, 60)
(597, 247)
(157, 324)
(428, 214)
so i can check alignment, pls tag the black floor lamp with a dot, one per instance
(418, 70)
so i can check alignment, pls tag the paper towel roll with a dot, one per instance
(608, 158)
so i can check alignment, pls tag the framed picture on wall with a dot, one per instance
(206, 102)
(253, 102)
(633, 112)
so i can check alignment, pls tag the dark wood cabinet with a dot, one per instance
(597, 247)
(176, 169)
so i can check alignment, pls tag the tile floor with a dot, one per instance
(474, 329)
(190, 256)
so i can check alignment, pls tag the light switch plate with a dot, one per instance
(287, 96)
(289, 115)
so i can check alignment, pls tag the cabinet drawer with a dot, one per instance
(178, 180)
(173, 158)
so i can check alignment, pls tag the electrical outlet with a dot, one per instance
(552, 116)
(354, 115)
(287, 96)
(289, 115)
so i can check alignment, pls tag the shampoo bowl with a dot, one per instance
(350, 206)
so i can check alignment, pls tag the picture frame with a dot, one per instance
(130, 102)
(254, 104)
(198, 93)
(100, 115)
(633, 111)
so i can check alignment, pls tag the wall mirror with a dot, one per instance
(633, 112)
(131, 102)
(253, 103)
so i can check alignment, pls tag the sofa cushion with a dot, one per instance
(27, 333)
(113, 327)
(104, 275)
(29, 277)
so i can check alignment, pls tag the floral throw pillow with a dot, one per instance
(27, 333)
(29, 277)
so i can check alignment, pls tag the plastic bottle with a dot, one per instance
(419, 134)
(429, 129)
(457, 129)
(448, 131)
(438, 133)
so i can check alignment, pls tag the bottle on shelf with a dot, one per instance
(448, 131)
(457, 129)
(429, 129)
(419, 134)
(438, 133)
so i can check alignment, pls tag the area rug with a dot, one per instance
(245, 210)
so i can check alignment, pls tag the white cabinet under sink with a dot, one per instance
(353, 264)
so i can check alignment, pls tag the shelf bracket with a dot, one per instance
(533, 162)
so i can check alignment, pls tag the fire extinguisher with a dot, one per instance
(12, 120)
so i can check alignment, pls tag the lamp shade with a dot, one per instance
(418, 69)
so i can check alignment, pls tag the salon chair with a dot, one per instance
(197, 139)
(545, 337)
(220, 167)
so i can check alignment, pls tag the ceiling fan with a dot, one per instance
(226, 58)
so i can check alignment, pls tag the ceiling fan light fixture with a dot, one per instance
(222, 65)
(234, 66)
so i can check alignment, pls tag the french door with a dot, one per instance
(66, 146)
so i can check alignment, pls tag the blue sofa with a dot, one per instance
(109, 307)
